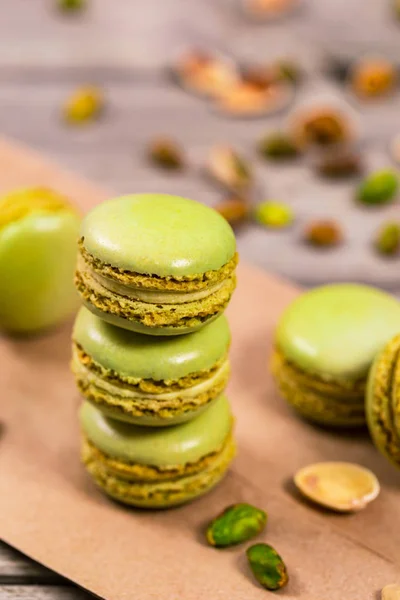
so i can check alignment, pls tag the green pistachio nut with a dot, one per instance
(378, 188)
(267, 566)
(71, 5)
(388, 239)
(274, 214)
(238, 523)
(278, 146)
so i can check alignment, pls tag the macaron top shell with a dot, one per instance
(335, 331)
(151, 357)
(166, 446)
(158, 234)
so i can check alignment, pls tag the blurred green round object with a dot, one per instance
(388, 238)
(378, 188)
(274, 214)
(71, 5)
(38, 235)
(278, 146)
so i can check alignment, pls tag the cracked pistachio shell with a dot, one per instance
(267, 566)
(391, 592)
(238, 523)
(340, 486)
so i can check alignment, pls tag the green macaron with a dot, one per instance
(149, 380)
(38, 233)
(326, 341)
(156, 467)
(156, 264)
(383, 401)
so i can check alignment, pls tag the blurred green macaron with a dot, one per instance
(38, 234)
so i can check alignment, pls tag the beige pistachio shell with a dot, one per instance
(391, 592)
(340, 486)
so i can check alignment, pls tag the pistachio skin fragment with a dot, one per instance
(267, 566)
(236, 524)
(378, 188)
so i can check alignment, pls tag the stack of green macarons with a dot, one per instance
(150, 348)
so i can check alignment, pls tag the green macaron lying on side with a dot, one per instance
(38, 233)
(156, 264)
(383, 401)
(149, 380)
(157, 467)
(326, 341)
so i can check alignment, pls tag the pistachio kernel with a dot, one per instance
(274, 214)
(267, 566)
(378, 188)
(278, 146)
(236, 524)
(320, 126)
(340, 486)
(324, 233)
(388, 239)
(234, 210)
(84, 105)
(166, 153)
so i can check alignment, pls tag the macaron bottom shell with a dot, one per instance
(325, 407)
(114, 480)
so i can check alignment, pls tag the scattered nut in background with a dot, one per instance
(339, 164)
(71, 5)
(378, 188)
(205, 74)
(230, 169)
(278, 146)
(268, 9)
(235, 210)
(324, 233)
(320, 126)
(388, 239)
(166, 153)
(276, 215)
(372, 78)
(84, 105)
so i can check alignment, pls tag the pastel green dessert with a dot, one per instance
(38, 233)
(156, 264)
(326, 341)
(156, 467)
(149, 380)
(383, 401)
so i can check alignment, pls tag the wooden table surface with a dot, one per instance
(126, 47)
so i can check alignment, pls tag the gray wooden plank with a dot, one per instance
(17, 568)
(40, 592)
